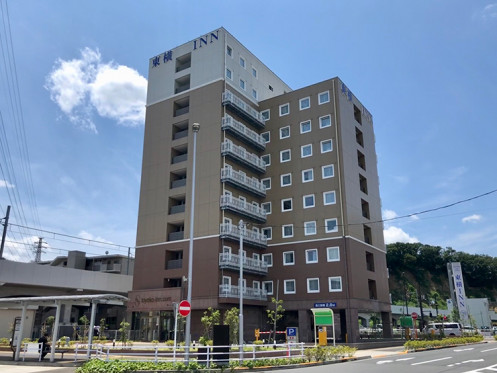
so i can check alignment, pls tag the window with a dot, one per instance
(359, 138)
(365, 209)
(229, 75)
(242, 62)
(357, 115)
(227, 250)
(254, 94)
(229, 51)
(305, 126)
(287, 231)
(311, 256)
(226, 281)
(286, 180)
(266, 136)
(268, 259)
(325, 121)
(286, 204)
(284, 109)
(266, 206)
(335, 284)
(268, 287)
(368, 237)
(333, 254)
(307, 175)
(306, 150)
(324, 97)
(328, 171)
(254, 72)
(361, 160)
(363, 184)
(372, 289)
(266, 114)
(266, 183)
(331, 225)
(288, 258)
(305, 103)
(308, 201)
(309, 228)
(313, 285)
(285, 156)
(369, 261)
(267, 159)
(268, 232)
(329, 198)
(242, 84)
(326, 146)
(284, 132)
(289, 287)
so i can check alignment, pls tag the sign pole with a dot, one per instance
(175, 307)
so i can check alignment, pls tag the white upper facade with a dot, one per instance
(217, 55)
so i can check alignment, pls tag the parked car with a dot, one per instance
(452, 329)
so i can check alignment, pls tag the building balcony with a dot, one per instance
(174, 264)
(230, 291)
(240, 154)
(250, 265)
(110, 268)
(177, 209)
(176, 236)
(243, 133)
(178, 183)
(179, 158)
(241, 207)
(246, 111)
(251, 238)
(242, 181)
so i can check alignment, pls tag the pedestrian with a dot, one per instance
(45, 347)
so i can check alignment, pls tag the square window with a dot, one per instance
(268, 287)
(326, 146)
(309, 228)
(284, 109)
(266, 114)
(266, 206)
(329, 198)
(242, 84)
(288, 258)
(254, 72)
(331, 225)
(284, 132)
(307, 175)
(313, 285)
(306, 150)
(333, 254)
(242, 62)
(226, 281)
(266, 136)
(325, 121)
(324, 97)
(268, 232)
(286, 180)
(311, 256)
(266, 159)
(309, 201)
(229, 51)
(266, 183)
(268, 259)
(287, 231)
(254, 94)
(305, 126)
(289, 287)
(305, 103)
(286, 205)
(229, 75)
(285, 156)
(328, 171)
(335, 283)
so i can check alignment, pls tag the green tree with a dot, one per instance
(211, 317)
(83, 320)
(275, 313)
(124, 329)
(231, 318)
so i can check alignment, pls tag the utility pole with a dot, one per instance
(241, 228)
(38, 250)
(5, 224)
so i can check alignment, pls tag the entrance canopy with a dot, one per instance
(57, 301)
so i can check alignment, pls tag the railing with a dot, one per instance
(175, 236)
(242, 108)
(111, 268)
(174, 264)
(239, 179)
(231, 291)
(242, 155)
(180, 134)
(178, 183)
(245, 133)
(232, 261)
(176, 209)
(180, 158)
(228, 230)
(242, 207)
(181, 111)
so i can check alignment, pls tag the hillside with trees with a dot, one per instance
(419, 271)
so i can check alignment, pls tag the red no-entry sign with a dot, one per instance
(414, 315)
(184, 308)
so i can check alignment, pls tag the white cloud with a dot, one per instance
(394, 234)
(6, 184)
(489, 12)
(471, 219)
(389, 214)
(452, 177)
(81, 86)
(90, 237)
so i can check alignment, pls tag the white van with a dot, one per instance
(451, 329)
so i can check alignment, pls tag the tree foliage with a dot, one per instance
(211, 317)
(231, 318)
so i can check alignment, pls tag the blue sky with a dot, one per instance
(72, 134)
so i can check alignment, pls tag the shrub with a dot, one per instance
(4, 341)
(418, 345)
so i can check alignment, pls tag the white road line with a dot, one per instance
(404, 359)
(384, 362)
(491, 349)
(464, 349)
(492, 368)
(465, 362)
(431, 361)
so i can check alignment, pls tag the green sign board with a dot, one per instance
(406, 321)
(322, 316)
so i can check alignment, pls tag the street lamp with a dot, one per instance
(241, 228)
(195, 129)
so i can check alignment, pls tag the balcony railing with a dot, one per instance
(174, 264)
(110, 268)
(243, 132)
(240, 180)
(176, 236)
(242, 207)
(230, 291)
(231, 231)
(178, 183)
(241, 155)
(231, 261)
(176, 209)
(180, 134)
(243, 109)
(179, 158)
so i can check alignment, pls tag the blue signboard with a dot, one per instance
(325, 305)
(291, 332)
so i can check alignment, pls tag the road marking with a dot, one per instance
(492, 368)
(464, 349)
(384, 362)
(465, 362)
(492, 349)
(404, 359)
(431, 361)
